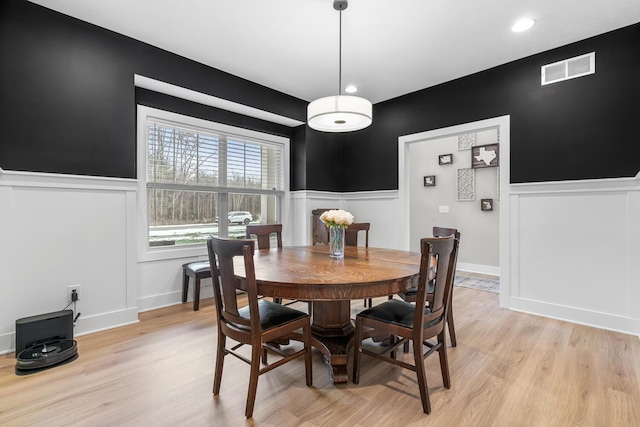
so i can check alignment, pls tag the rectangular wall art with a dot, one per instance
(466, 141)
(445, 159)
(484, 156)
(486, 204)
(466, 184)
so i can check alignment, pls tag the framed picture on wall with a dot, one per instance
(430, 181)
(484, 156)
(486, 204)
(445, 159)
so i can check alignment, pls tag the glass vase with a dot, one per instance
(336, 241)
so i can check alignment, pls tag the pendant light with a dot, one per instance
(339, 113)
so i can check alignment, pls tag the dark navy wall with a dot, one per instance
(579, 129)
(67, 98)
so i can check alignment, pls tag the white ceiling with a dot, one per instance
(390, 48)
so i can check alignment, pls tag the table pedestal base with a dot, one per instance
(332, 335)
(335, 351)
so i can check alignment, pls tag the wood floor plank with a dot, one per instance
(509, 369)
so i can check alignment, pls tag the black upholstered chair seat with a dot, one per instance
(198, 270)
(396, 312)
(413, 291)
(272, 314)
(198, 267)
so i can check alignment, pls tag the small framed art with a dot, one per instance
(445, 159)
(484, 156)
(430, 181)
(486, 204)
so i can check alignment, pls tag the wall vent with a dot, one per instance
(571, 68)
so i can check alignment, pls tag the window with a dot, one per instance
(203, 178)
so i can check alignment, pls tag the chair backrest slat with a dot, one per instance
(351, 233)
(442, 232)
(442, 249)
(221, 256)
(263, 234)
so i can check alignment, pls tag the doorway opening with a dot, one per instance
(451, 193)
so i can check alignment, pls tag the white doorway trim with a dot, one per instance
(503, 125)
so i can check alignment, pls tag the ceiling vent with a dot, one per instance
(579, 66)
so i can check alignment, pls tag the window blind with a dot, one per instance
(202, 160)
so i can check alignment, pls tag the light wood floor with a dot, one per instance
(509, 369)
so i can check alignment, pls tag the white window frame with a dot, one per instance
(144, 113)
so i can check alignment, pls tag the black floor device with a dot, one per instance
(44, 341)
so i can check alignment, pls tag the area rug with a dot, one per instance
(481, 284)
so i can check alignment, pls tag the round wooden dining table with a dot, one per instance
(308, 273)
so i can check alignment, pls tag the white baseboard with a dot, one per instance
(479, 268)
(84, 325)
(105, 321)
(7, 343)
(154, 302)
(578, 316)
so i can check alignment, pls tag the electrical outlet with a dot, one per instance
(70, 290)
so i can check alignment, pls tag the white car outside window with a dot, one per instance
(240, 217)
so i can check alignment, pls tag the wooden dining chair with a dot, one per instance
(351, 233)
(404, 321)
(263, 237)
(319, 234)
(256, 324)
(263, 234)
(410, 294)
(197, 270)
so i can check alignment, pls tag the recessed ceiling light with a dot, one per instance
(523, 25)
(351, 89)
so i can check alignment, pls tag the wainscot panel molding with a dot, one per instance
(60, 230)
(574, 253)
(569, 242)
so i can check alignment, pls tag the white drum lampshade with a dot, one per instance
(340, 113)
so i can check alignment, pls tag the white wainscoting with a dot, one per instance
(61, 230)
(575, 252)
(574, 249)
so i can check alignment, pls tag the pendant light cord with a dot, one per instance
(340, 58)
